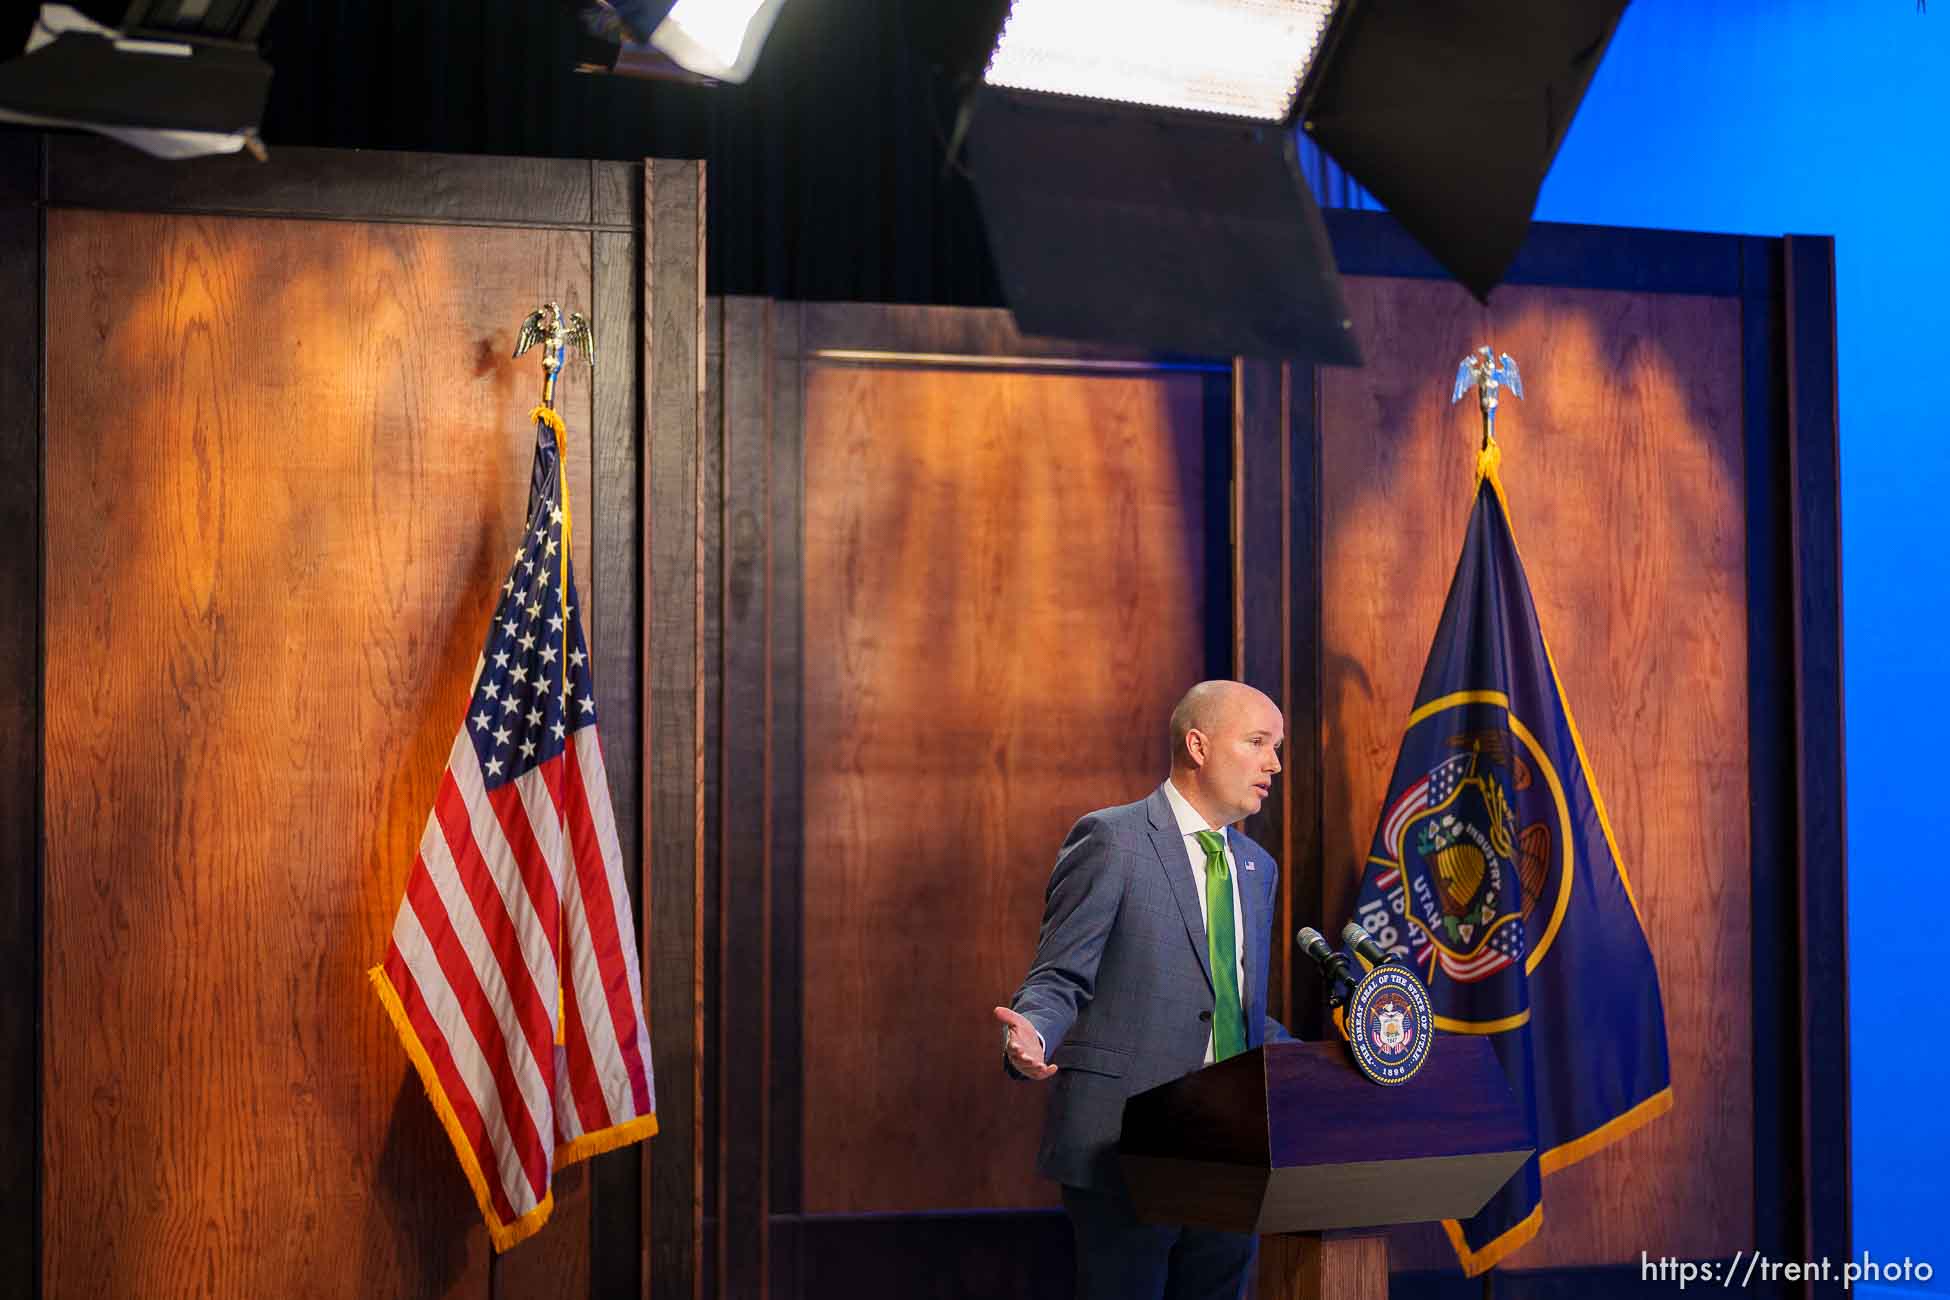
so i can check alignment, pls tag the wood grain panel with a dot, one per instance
(1780, 1185)
(1308, 1266)
(1305, 871)
(786, 778)
(615, 600)
(961, 335)
(1004, 597)
(364, 184)
(673, 793)
(744, 866)
(714, 1131)
(616, 195)
(287, 460)
(1262, 583)
(785, 787)
(1624, 471)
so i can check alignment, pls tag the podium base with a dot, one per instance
(1323, 1266)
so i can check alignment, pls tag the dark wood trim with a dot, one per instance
(673, 717)
(1219, 421)
(615, 601)
(1779, 1177)
(710, 958)
(785, 782)
(987, 336)
(1303, 774)
(22, 282)
(1814, 475)
(23, 163)
(744, 867)
(1580, 257)
(1218, 402)
(616, 194)
(1261, 586)
(751, 543)
(1002, 363)
(353, 185)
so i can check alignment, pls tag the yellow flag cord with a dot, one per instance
(1487, 462)
(554, 422)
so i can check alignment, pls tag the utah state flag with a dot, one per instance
(1495, 873)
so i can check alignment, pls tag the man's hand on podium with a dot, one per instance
(1024, 1046)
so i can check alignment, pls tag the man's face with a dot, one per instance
(1241, 755)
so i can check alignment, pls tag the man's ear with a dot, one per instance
(1195, 746)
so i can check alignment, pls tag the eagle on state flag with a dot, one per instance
(1494, 872)
(512, 974)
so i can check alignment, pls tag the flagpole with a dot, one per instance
(556, 332)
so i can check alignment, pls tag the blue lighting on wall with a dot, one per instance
(1774, 117)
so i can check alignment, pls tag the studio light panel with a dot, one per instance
(1235, 58)
(717, 38)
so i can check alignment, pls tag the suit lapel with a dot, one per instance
(1176, 865)
(1253, 925)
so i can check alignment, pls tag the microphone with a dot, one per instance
(1358, 939)
(1332, 964)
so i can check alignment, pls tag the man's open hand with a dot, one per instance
(1024, 1046)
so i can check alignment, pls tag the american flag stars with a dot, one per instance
(523, 710)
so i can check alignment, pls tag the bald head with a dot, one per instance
(1206, 708)
(1225, 743)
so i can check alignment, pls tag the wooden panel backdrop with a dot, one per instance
(1624, 472)
(285, 463)
(1006, 591)
(935, 554)
(922, 586)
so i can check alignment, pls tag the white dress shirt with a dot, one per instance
(1189, 824)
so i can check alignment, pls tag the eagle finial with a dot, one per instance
(556, 333)
(1487, 373)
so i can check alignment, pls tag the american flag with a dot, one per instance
(519, 880)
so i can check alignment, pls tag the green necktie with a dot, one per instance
(1228, 1021)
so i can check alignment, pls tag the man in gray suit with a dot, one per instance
(1157, 925)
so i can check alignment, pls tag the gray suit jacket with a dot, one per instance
(1121, 989)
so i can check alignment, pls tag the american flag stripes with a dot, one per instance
(512, 975)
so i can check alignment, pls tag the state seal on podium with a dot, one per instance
(1390, 1024)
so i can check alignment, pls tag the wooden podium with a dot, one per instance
(1290, 1139)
